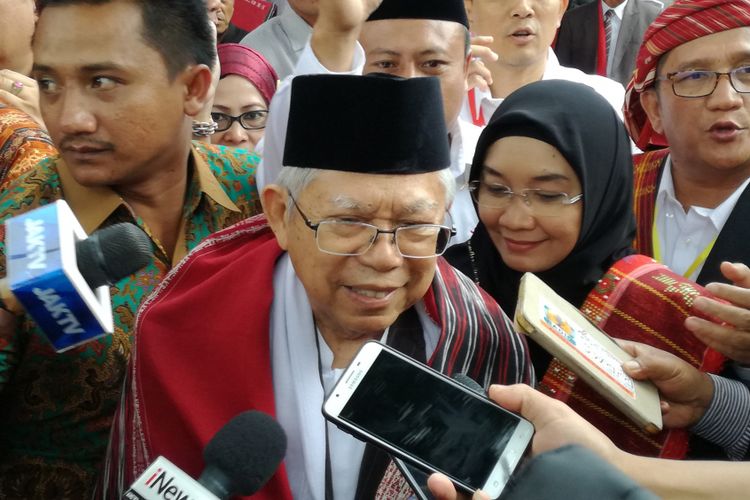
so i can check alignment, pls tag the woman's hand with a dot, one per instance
(21, 92)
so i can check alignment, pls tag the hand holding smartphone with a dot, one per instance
(425, 418)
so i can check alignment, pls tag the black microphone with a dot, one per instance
(243, 455)
(104, 258)
(240, 459)
(112, 253)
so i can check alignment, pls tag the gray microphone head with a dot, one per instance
(243, 455)
(112, 253)
(469, 382)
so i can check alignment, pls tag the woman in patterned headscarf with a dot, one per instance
(243, 94)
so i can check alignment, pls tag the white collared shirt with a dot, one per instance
(682, 235)
(616, 23)
(611, 90)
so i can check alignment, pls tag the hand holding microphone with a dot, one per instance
(59, 276)
(240, 459)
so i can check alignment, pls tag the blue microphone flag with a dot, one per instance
(43, 275)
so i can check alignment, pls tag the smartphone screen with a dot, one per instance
(426, 417)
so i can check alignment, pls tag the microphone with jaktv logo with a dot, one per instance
(60, 277)
(240, 459)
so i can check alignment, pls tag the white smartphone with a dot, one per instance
(424, 417)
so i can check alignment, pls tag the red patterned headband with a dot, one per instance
(682, 22)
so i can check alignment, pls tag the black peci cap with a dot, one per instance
(374, 124)
(438, 10)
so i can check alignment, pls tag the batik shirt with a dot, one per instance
(56, 408)
(23, 144)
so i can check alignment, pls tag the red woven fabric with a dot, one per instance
(641, 300)
(646, 177)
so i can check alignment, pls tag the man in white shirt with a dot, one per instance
(407, 38)
(523, 31)
(281, 39)
(692, 200)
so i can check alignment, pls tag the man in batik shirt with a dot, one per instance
(118, 92)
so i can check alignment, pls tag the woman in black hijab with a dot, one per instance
(564, 154)
(533, 130)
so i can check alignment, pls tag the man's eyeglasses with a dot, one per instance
(540, 201)
(703, 83)
(252, 120)
(414, 241)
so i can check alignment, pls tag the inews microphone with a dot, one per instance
(240, 458)
(60, 277)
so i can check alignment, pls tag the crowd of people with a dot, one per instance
(353, 170)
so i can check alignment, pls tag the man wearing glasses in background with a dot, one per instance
(691, 90)
(268, 313)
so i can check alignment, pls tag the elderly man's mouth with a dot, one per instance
(372, 293)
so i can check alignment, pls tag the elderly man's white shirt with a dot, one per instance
(298, 394)
(611, 90)
(464, 136)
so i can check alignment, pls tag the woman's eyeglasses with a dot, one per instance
(540, 201)
(251, 120)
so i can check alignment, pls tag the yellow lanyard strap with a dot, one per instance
(656, 244)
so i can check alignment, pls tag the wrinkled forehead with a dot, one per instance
(369, 193)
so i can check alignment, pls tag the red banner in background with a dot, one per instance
(249, 14)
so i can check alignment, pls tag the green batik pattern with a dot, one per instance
(56, 408)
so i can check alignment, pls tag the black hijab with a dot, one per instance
(586, 130)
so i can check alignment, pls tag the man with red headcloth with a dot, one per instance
(691, 90)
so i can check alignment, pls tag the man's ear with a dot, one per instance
(274, 199)
(650, 104)
(563, 8)
(197, 81)
(469, 4)
(467, 65)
